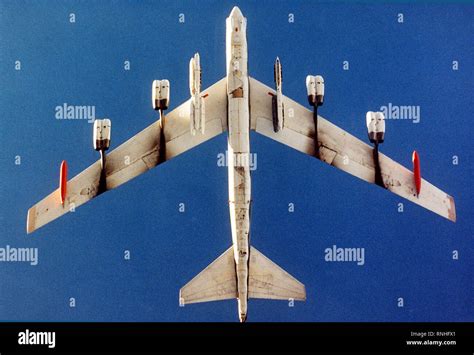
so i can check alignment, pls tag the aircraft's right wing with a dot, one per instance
(136, 156)
(341, 150)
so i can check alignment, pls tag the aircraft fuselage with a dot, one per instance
(238, 147)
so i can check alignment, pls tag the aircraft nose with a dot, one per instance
(236, 12)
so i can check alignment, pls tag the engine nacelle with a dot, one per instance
(102, 134)
(375, 126)
(160, 94)
(197, 114)
(278, 110)
(278, 73)
(195, 75)
(315, 90)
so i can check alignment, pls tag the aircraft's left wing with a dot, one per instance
(136, 156)
(341, 150)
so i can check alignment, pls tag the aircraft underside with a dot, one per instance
(238, 104)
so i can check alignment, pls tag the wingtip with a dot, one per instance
(181, 299)
(30, 220)
(451, 209)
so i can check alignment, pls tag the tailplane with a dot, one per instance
(216, 282)
(268, 280)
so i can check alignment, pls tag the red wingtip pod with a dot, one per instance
(63, 182)
(416, 171)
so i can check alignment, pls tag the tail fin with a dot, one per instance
(268, 280)
(216, 282)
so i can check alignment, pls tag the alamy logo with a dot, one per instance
(345, 254)
(239, 159)
(72, 112)
(9, 254)
(37, 338)
(396, 112)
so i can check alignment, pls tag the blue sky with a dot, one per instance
(81, 255)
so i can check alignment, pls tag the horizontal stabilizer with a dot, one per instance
(216, 282)
(268, 280)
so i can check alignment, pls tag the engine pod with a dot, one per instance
(160, 94)
(102, 134)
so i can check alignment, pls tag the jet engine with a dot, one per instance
(197, 110)
(376, 131)
(375, 126)
(278, 109)
(102, 132)
(315, 89)
(160, 94)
